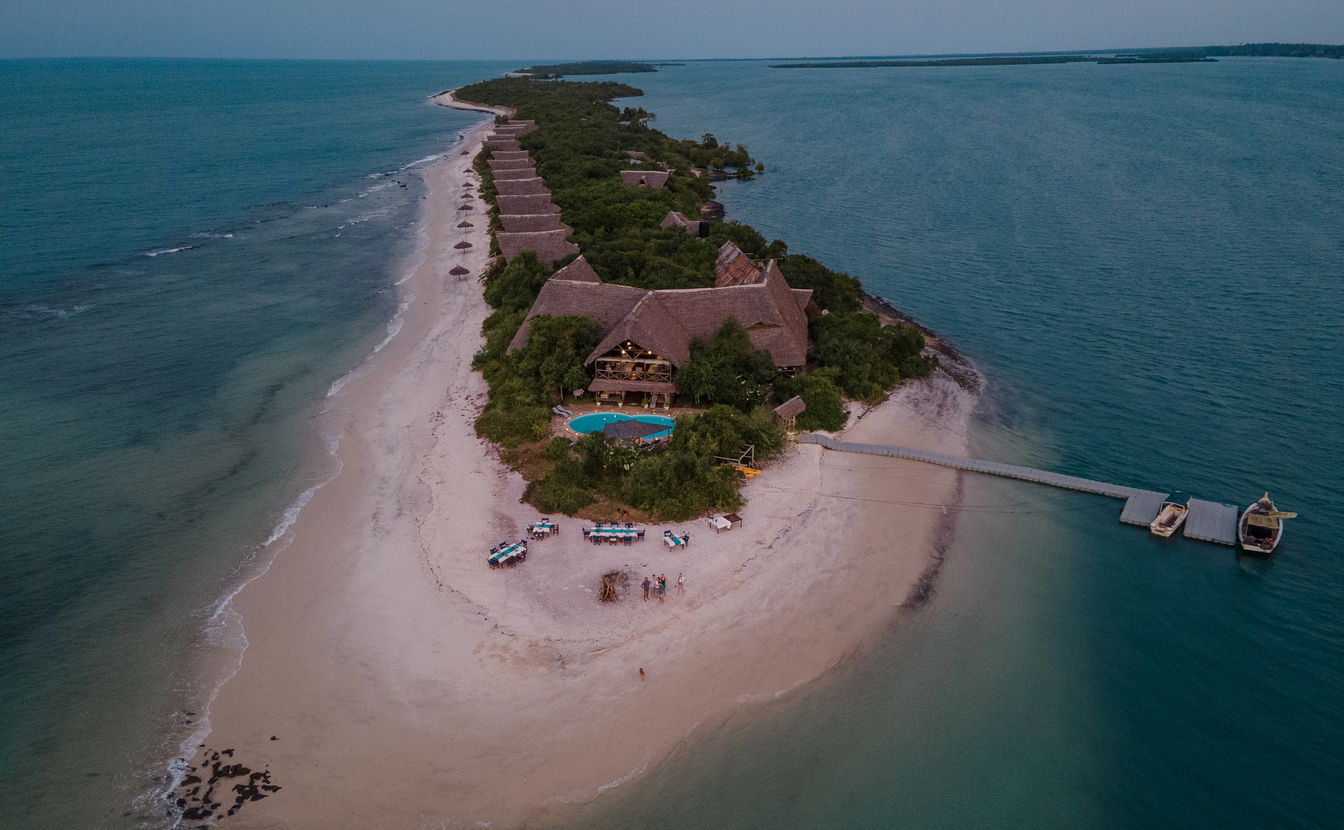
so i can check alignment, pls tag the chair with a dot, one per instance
(629, 525)
(639, 535)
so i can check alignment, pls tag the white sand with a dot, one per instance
(410, 685)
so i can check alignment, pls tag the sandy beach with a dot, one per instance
(392, 679)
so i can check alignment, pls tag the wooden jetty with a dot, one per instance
(1208, 521)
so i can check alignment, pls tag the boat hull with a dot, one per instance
(1265, 542)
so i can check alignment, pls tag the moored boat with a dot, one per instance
(1171, 515)
(1261, 527)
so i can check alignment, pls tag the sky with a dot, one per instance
(537, 30)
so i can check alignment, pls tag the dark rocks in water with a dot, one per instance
(191, 779)
(274, 738)
(712, 211)
(270, 788)
(92, 774)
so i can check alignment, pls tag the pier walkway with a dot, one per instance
(1208, 521)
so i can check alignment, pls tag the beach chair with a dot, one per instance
(639, 534)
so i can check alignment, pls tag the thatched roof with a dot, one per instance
(504, 155)
(547, 245)
(694, 227)
(645, 178)
(603, 303)
(637, 155)
(458, 271)
(522, 187)
(516, 222)
(732, 267)
(498, 164)
(520, 172)
(502, 142)
(666, 322)
(465, 224)
(463, 245)
(791, 408)
(579, 271)
(632, 430)
(540, 203)
(516, 127)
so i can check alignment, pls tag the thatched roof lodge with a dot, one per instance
(498, 164)
(547, 245)
(645, 178)
(502, 142)
(513, 173)
(646, 334)
(522, 187)
(695, 227)
(506, 155)
(540, 203)
(518, 222)
(515, 127)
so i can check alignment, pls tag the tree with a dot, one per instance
(728, 369)
(554, 354)
(825, 406)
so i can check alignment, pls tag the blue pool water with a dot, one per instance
(594, 421)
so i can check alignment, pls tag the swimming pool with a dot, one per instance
(594, 421)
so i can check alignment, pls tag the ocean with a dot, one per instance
(1146, 264)
(1144, 261)
(194, 252)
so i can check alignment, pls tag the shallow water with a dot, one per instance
(194, 253)
(1146, 264)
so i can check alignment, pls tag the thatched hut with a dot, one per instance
(547, 245)
(644, 178)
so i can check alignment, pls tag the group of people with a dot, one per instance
(655, 586)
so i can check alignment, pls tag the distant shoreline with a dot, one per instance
(1178, 54)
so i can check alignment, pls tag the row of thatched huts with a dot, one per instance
(528, 219)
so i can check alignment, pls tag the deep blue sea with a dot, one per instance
(1145, 261)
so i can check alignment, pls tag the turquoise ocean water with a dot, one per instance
(1145, 261)
(193, 253)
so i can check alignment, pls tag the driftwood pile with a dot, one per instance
(611, 584)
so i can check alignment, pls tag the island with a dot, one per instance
(456, 629)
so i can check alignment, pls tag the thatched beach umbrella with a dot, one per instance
(464, 244)
(465, 224)
(464, 207)
(459, 271)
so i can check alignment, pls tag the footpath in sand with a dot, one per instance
(407, 684)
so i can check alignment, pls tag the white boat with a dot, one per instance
(1171, 515)
(1261, 527)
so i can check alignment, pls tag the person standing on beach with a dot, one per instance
(662, 588)
(646, 584)
(681, 584)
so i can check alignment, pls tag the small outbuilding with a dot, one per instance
(644, 178)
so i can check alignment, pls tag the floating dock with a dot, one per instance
(1207, 521)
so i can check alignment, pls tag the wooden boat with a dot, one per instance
(1171, 515)
(1261, 527)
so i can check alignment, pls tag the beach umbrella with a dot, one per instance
(463, 244)
(465, 224)
(459, 271)
(464, 207)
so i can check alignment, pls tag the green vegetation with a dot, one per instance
(821, 393)
(727, 370)
(869, 357)
(581, 145)
(559, 70)
(681, 481)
